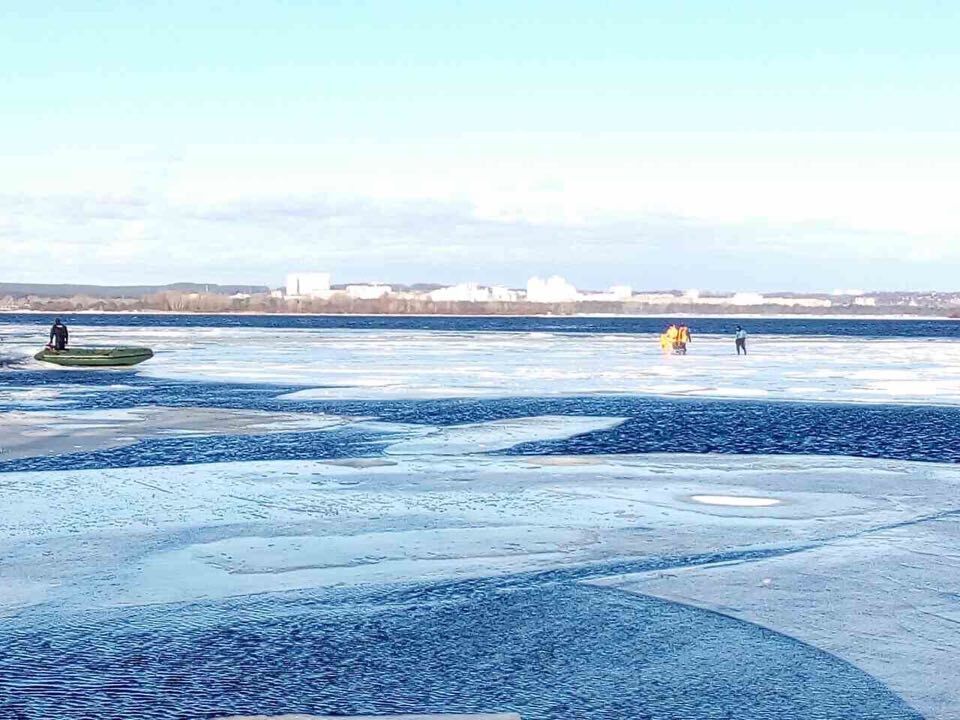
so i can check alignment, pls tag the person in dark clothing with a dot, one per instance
(741, 338)
(59, 336)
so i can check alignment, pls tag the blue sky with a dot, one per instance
(737, 145)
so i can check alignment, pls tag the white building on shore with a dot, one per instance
(554, 289)
(662, 298)
(309, 285)
(500, 293)
(807, 302)
(463, 292)
(616, 293)
(472, 292)
(368, 292)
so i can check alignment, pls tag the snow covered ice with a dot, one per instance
(372, 365)
(379, 364)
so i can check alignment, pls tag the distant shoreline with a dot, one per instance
(552, 316)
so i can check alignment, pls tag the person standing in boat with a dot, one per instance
(59, 336)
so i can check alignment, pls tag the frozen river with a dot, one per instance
(543, 520)
(404, 363)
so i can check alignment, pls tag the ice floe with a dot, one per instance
(886, 600)
(242, 527)
(29, 434)
(245, 565)
(361, 364)
(63, 395)
(403, 364)
(497, 434)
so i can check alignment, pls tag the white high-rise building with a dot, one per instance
(312, 284)
(464, 292)
(551, 290)
(368, 292)
(500, 293)
(747, 298)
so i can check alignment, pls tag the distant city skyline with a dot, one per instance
(738, 146)
(314, 292)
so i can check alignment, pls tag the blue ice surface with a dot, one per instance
(841, 327)
(653, 424)
(544, 646)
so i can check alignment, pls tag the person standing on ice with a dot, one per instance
(666, 344)
(741, 338)
(683, 337)
(59, 336)
(672, 334)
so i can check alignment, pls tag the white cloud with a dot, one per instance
(723, 210)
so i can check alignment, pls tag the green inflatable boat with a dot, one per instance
(95, 357)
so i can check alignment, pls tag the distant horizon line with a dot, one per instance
(248, 285)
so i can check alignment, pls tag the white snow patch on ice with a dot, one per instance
(734, 501)
(499, 434)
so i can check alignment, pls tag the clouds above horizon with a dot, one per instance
(211, 222)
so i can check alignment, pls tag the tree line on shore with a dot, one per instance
(193, 302)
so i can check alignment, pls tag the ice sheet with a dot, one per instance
(64, 395)
(386, 364)
(245, 565)
(887, 601)
(374, 365)
(151, 524)
(35, 433)
(359, 364)
(867, 558)
(498, 434)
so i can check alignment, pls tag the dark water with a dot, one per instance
(866, 328)
(546, 650)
